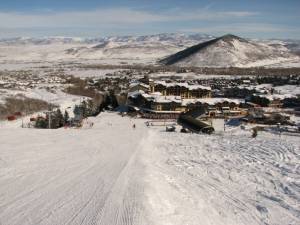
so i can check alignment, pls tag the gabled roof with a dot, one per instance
(134, 84)
(159, 98)
(186, 85)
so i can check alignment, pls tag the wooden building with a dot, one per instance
(184, 90)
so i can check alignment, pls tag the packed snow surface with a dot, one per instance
(115, 174)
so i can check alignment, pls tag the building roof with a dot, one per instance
(257, 88)
(134, 84)
(186, 85)
(212, 101)
(275, 96)
(135, 94)
(159, 98)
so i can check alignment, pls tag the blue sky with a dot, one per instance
(90, 18)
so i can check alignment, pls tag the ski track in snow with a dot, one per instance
(231, 179)
(70, 176)
(114, 174)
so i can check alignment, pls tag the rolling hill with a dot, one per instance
(230, 50)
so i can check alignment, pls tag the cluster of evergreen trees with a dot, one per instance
(279, 80)
(291, 102)
(53, 120)
(86, 108)
(89, 108)
(264, 102)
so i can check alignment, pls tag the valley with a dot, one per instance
(156, 129)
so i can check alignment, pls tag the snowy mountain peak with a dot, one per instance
(229, 50)
(231, 37)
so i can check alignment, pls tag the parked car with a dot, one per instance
(170, 128)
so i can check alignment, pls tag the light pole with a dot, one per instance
(49, 116)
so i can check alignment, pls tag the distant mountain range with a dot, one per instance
(169, 49)
(165, 37)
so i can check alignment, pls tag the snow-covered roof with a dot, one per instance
(258, 88)
(288, 89)
(135, 94)
(272, 97)
(212, 101)
(186, 85)
(159, 98)
(134, 84)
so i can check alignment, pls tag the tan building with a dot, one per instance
(184, 90)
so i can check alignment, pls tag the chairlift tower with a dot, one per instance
(49, 117)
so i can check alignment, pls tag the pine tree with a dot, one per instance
(77, 110)
(66, 117)
(41, 123)
(84, 109)
(59, 118)
(90, 108)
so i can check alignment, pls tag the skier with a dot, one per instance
(254, 132)
(133, 126)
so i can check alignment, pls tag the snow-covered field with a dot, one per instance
(110, 50)
(20, 53)
(114, 174)
(93, 73)
(56, 97)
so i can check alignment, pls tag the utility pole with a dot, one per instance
(49, 117)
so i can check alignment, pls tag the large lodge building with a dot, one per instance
(161, 99)
(184, 90)
(166, 99)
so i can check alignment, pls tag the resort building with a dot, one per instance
(163, 99)
(184, 90)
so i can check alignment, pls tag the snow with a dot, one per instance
(56, 97)
(70, 176)
(137, 84)
(160, 98)
(186, 85)
(112, 173)
(24, 53)
(258, 88)
(272, 97)
(226, 179)
(92, 73)
(213, 101)
(17, 52)
(85, 176)
(135, 94)
(288, 89)
(240, 53)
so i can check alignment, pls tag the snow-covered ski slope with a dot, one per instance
(231, 179)
(114, 174)
(87, 176)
